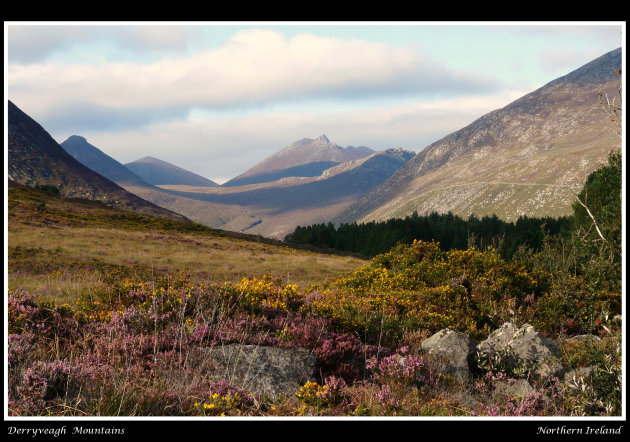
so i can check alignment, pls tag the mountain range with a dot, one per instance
(289, 191)
(100, 162)
(196, 210)
(277, 207)
(35, 158)
(529, 158)
(306, 157)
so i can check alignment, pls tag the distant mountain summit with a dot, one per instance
(157, 172)
(277, 207)
(303, 158)
(35, 158)
(529, 158)
(195, 210)
(100, 162)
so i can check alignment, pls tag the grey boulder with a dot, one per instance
(450, 352)
(263, 371)
(521, 346)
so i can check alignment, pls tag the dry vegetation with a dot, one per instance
(67, 247)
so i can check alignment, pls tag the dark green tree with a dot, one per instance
(597, 215)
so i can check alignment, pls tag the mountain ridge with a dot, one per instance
(35, 158)
(552, 137)
(159, 172)
(275, 208)
(305, 157)
(97, 160)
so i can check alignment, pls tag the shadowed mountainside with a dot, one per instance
(35, 158)
(276, 208)
(155, 171)
(101, 163)
(196, 210)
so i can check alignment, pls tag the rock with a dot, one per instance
(264, 371)
(521, 346)
(450, 351)
(581, 372)
(518, 388)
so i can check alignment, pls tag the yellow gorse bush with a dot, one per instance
(217, 405)
(311, 393)
(419, 286)
(266, 292)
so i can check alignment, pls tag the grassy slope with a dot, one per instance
(72, 245)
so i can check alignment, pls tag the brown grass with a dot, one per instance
(68, 249)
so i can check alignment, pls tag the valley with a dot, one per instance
(143, 289)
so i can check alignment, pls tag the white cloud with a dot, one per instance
(31, 43)
(141, 106)
(255, 67)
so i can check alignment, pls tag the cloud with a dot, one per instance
(561, 56)
(602, 32)
(555, 60)
(34, 43)
(253, 69)
(72, 117)
(155, 38)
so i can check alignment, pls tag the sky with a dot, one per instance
(217, 98)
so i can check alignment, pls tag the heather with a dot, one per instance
(135, 349)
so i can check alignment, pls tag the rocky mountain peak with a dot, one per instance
(323, 139)
(304, 158)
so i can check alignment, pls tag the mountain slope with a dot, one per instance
(196, 210)
(528, 158)
(155, 171)
(303, 158)
(95, 159)
(35, 158)
(276, 208)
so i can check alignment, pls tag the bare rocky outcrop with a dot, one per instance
(451, 351)
(264, 371)
(456, 354)
(516, 388)
(521, 346)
